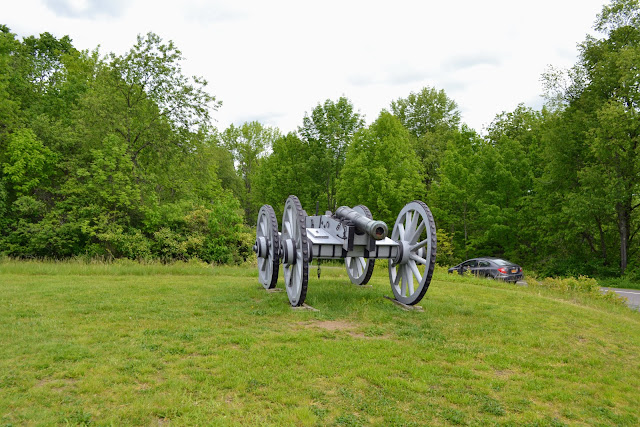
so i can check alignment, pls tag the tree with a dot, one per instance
(599, 111)
(432, 119)
(284, 172)
(153, 92)
(426, 111)
(28, 162)
(517, 137)
(247, 144)
(380, 170)
(110, 156)
(327, 132)
(454, 195)
(9, 105)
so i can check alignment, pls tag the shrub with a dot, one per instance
(581, 284)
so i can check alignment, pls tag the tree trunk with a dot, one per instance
(603, 244)
(624, 216)
(464, 222)
(329, 192)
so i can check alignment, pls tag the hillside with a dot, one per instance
(191, 344)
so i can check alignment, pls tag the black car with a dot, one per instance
(496, 268)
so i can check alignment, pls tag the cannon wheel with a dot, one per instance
(267, 231)
(360, 269)
(410, 273)
(295, 249)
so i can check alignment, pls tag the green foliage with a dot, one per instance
(380, 170)
(598, 164)
(432, 119)
(426, 111)
(446, 249)
(116, 160)
(115, 156)
(453, 197)
(573, 284)
(248, 144)
(288, 170)
(327, 132)
(150, 76)
(27, 161)
(580, 284)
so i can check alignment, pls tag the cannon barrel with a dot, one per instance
(376, 229)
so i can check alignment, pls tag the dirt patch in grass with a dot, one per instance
(503, 373)
(332, 325)
(56, 384)
(349, 328)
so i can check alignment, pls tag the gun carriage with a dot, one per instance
(350, 234)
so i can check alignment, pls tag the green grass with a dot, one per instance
(190, 344)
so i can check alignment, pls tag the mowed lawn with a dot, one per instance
(190, 345)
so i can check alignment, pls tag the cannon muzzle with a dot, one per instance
(376, 229)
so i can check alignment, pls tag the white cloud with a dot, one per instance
(90, 9)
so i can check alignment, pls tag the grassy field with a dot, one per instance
(189, 344)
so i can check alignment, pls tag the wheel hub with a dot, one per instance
(288, 251)
(404, 251)
(261, 247)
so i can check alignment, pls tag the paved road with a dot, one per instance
(632, 295)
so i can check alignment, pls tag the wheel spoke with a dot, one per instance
(396, 279)
(403, 280)
(412, 225)
(419, 245)
(401, 231)
(416, 258)
(417, 233)
(287, 276)
(416, 273)
(295, 235)
(409, 280)
(363, 263)
(296, 278)
(358, 267)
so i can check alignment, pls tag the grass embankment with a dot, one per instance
(185, 344)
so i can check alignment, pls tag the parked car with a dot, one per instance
(495, 268)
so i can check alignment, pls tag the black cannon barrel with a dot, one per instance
(376, 229)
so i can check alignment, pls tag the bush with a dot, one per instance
(582, 285)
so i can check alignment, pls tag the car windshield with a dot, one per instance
(502, 262)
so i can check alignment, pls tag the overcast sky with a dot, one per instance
(274, 60)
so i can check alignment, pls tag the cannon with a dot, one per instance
(350, 234)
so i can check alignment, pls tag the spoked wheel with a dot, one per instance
(295, 251)
(360, 269)
(410, 272)
(267, 247)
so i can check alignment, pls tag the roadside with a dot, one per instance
(632, 296)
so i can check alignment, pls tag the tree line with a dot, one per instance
(116, 156)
